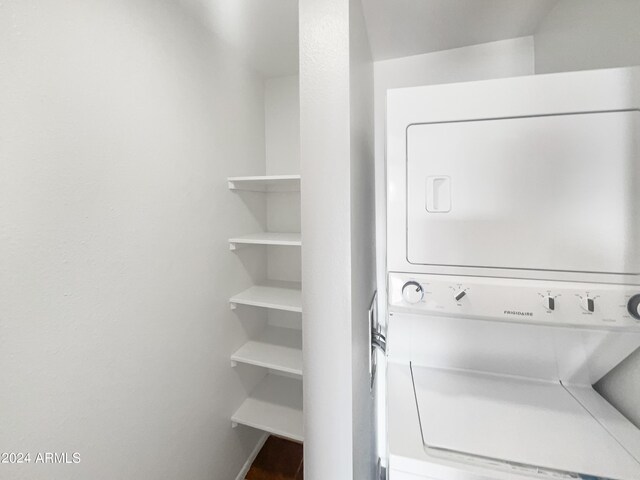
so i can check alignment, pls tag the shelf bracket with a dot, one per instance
(234, 424)
(232, 246)
(231, 185)
(234, 363)
(232, 305)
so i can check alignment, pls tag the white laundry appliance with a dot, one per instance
(513, 276)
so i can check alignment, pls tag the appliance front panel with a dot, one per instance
(574, 332)
(554, 192)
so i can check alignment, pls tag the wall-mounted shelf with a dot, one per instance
(265, 183)
(275, 295)
(266, 238)
(274, 406)
(276, 348)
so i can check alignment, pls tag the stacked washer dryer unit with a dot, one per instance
(513, 276)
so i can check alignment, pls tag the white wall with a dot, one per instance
(337, 277)
(363, 241)
(282, 132)
(585, 35)
(588, 34)
(282, 125)
(119, 122)
(326, 276)
(282, 137)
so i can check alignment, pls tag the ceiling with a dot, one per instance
(399, 28)
(265, 32)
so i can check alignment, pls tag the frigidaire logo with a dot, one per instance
(519, 313)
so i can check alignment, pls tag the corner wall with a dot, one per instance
(337, 228)
(326, 255)
(282, 138)
(119, 123)
(363, 240)
(588, 34)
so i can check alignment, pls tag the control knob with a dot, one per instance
(588, 304)
(549, 302)
(633, 307)
(412, 292)
(459, 295)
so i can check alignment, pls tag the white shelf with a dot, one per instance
(267, 238)
(276, 348)
(265, 183)
(274, 406)
(275, 295)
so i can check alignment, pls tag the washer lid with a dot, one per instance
(516, 420)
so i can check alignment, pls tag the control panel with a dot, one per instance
(517, 300)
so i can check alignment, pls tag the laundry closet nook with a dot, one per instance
(320, 239)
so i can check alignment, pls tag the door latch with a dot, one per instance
(377, 340)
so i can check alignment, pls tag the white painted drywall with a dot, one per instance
(119, 122)
(263, 32)
(337, 270)
(588, 34)
(282, 125)
(282, 139)
(414, 27)
(363, 242)
(326, 275)
(585, 35)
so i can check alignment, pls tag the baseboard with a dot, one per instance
(252, 457)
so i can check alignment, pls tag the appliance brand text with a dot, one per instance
(519, 313)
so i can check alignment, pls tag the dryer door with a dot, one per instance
(548, 193)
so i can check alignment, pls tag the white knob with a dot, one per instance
(412, 292)
(588, 304)
(549, 302)
(634, 306)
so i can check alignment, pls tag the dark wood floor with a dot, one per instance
(279, 459)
